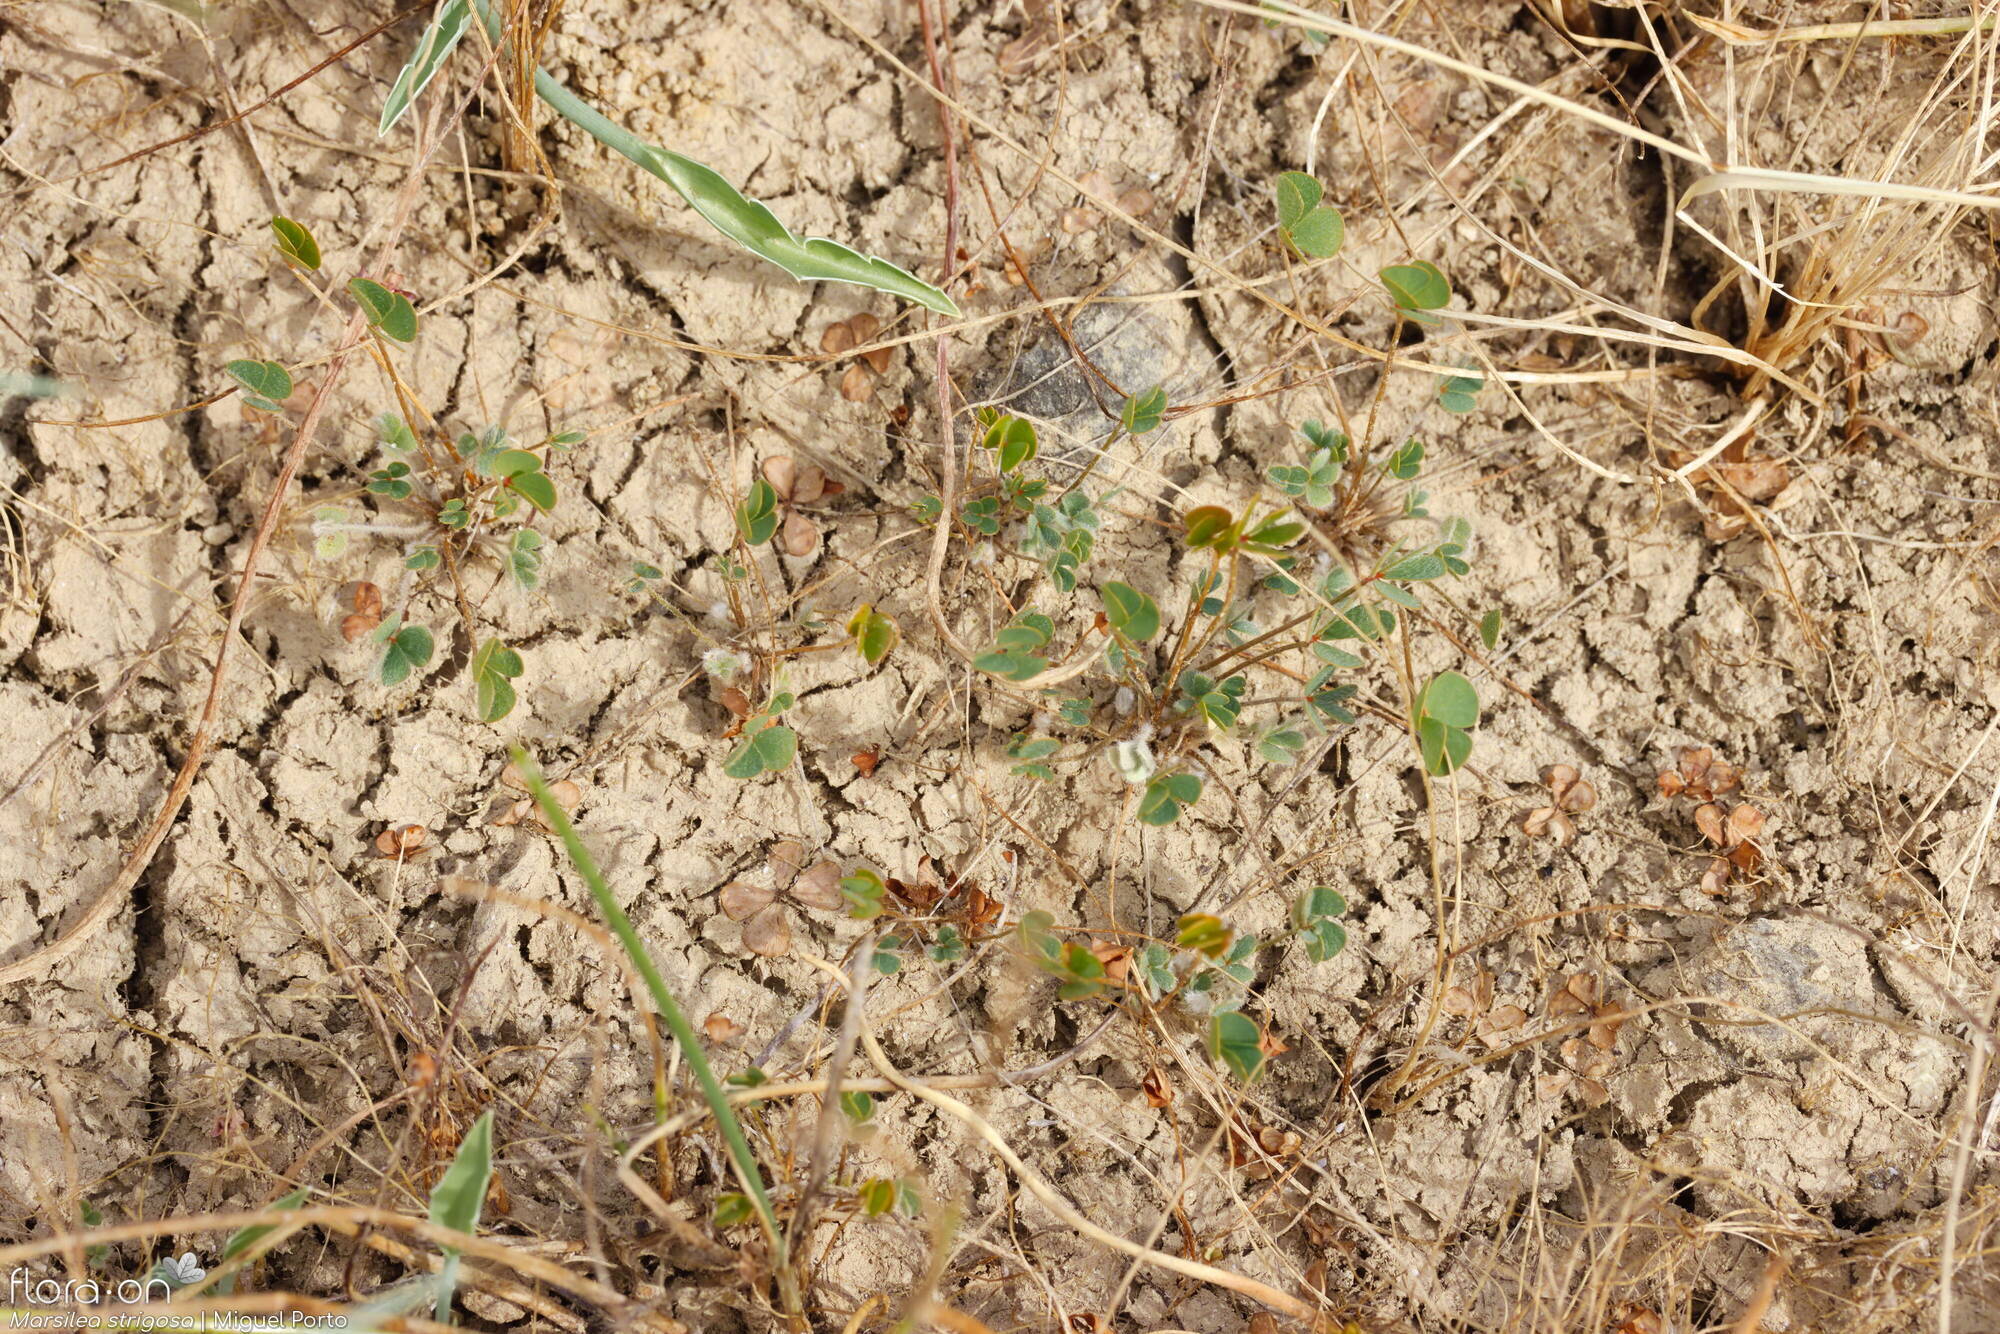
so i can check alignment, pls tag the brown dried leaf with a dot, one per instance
(769, 933)
(1502, 1020)
(1586, 987)
(567, 795)
(1671, 783)
(1593, 1092)
(838, 338)
(1138, 201)
(1745, 857)
(819, 887)
(1563, 1005)
(1077, 220)
(359, 625)
(810, 486)
(1708, 818)
(741, 900)
(402, 842)
(1550, 1087)
(1723, 777)
(515, 813)
(866, 760)
(1603, 1034)
(1579, 797)
(1558, 777)
(1158, 1092)
(878, 359)
(1715, 880)
(798, 535)
(782, 472)
(1024, 52)
(1536, 822)
(858, 384)
(719, 1028)
(1745, 823)
(786, 859)
(865, 327)
(1471, 997)
(1910, 329)
(1097, 184)
(1694, 762)
(733, 699)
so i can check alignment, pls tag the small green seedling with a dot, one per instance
(1133, 616)
(767, 746)
(882, 1195)
(296, 244)
(405, 649)
(1446, 711)
(1308, 226)
(1315, 916)
(1082, 973)
(1166, 795)
(873, 633)
(1016, 654)
(1313, 483)
(863, 891)
(1011, 440)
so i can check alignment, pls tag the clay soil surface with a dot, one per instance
(1732, 478)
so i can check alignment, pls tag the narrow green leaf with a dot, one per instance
(296, 243)
(433, 49)
(1489, 629)
(733, 1208)
(1131, 613)
(243, 1239)
(757, 515)
(744, 221)
(457, 1197)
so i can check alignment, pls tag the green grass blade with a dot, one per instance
(440, 39)
(744, 221)
(677, 1022)
(456, 1199)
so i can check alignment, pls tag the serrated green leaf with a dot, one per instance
(296, 243)
(389, 312)
(440, 38)
(405, 650)
(1131, 613)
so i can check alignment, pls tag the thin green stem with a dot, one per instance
(621, 926)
